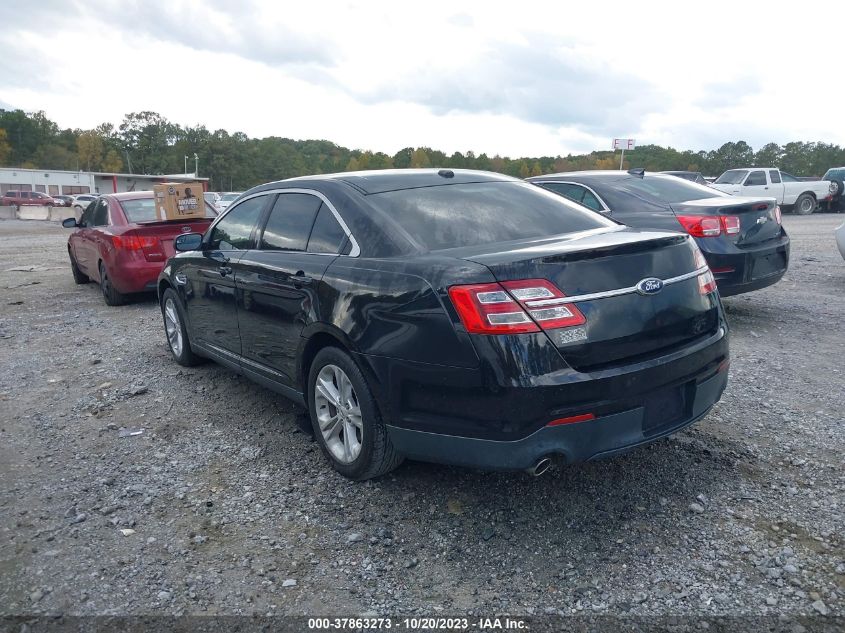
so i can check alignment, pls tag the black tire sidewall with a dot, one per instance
(111, 296)
(78, 276)
(370, 417)
(187, 357)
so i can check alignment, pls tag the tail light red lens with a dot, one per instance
(502, 308)
(710, 225)
(706, 283)
(150, 246)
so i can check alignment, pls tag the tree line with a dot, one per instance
(147, 143)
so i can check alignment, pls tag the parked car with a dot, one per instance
(82, 200)
(451, 316)
(836, 177)
(63, 201)
(693, 176)
(791, 193)
(742, 238)
(212, 198)
(19, 199)
(120, 244)
(226, 199)
(840, 240)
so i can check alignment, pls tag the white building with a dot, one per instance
(56, 182)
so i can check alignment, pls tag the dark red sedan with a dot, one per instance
(120, 243)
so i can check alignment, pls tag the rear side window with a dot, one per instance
(327, 236)
(290, 222)
(471, 214)
(590, 201)
(774, 175)
(234, 231)
(755, 178)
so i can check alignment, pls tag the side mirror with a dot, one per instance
(70, 223)
(188, 242)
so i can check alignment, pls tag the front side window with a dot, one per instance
(88, 215)
(234, 231)
(290, 222)
(755, 178)
(101, 213)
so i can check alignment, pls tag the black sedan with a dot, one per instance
(692, 176)
(451, 316)
(742, 238)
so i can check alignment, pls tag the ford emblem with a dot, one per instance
(650, 286)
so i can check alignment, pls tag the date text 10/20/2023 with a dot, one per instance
(419, 624)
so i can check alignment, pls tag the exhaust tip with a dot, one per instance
(543, 464)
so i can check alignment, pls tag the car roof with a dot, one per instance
(597, 174)
(382, 180)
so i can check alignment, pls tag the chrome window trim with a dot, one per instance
(355, 250)
(605, 208)
(611, 293)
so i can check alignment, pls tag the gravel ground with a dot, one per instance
(221, 505)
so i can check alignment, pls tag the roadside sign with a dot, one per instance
(623, 144)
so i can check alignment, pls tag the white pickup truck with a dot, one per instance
(801, 196)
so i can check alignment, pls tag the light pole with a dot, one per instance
(196, 165)
(186, 164)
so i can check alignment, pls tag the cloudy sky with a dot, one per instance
(509, 78)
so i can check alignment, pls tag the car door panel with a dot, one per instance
(277, 286)
(209, 277)
(277, 299)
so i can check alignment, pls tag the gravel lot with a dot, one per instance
(223, 506)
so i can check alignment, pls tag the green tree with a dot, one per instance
(112, 162)
(419, 158)
(352, 165)
(89, 147)
(5, 148)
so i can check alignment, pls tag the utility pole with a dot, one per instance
(186, 164)
(196, 165)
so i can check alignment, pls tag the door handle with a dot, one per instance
(225, 270)
(301, 279)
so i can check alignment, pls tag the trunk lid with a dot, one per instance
(758, 219)
(623, 325)
(165, 232)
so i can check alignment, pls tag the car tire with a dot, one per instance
(176, 330)
(78, 276)
(348, 426)
(839, 186)
(805, 204)
(110, 294)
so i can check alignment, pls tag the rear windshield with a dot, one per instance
(229, 197)
(144, 210)
(732, 177)
(452, 216)
(662, 190)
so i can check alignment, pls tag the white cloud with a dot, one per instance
(544, 79)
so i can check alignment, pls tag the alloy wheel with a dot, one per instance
(338, 414)
(173, 327)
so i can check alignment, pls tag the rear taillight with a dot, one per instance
(150, 246)
(502, 308)
(706, 281)
(710, 225)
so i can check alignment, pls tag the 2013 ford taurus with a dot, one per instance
(451, 316)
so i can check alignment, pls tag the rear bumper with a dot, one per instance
(583, 441)
(743, 270)
(131, 275)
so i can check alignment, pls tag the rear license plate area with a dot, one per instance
(770, 264)
(664, 408)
